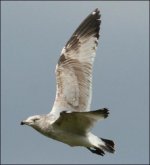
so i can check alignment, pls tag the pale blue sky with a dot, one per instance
(33, 34)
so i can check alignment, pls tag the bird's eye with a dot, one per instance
(35, 120)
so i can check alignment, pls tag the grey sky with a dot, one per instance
(33, 34)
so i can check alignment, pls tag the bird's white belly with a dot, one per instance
(72, 139)
(68, 137)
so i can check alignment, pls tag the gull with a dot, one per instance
(70, 121)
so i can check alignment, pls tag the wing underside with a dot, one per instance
(80, 122)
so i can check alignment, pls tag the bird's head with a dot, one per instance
(38, 122)
(32, 120)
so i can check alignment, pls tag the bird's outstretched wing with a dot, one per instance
(80, 122)
(74, 68)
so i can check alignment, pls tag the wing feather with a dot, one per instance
(80, 122)
(74, 68)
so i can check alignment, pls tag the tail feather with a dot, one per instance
(100, 145)
(97, 151)
(109, 145)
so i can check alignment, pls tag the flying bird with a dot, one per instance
(70, 120)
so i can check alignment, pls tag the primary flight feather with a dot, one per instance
(70, 120)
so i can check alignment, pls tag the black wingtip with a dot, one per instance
(96, 13)
(96, 10)
(106, 112)
(102, 112)
(88, 27)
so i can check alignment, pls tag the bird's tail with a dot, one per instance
(100, 145)
(109, 145)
